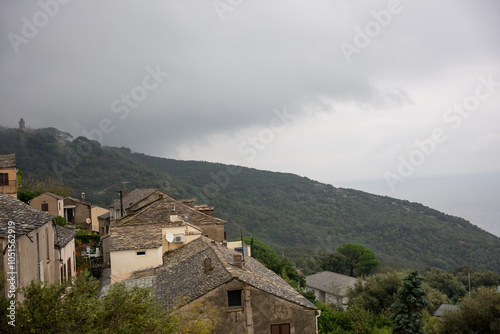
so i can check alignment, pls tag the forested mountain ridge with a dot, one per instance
(281, 209)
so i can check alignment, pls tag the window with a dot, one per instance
(234, 298)
(45, 207)
(140, 253)
(280, 329)
(4, 179)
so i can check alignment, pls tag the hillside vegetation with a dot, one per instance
(293, 214)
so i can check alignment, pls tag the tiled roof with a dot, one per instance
(336, 284)
(181, 278)
(7, 161)
(63, 235)
(159, 212)
(24, 216)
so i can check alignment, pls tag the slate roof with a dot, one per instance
(75, 200)
(24, 216)
(444, 308)
(142, 229)
(336, 284)
(105, 216)
(133, 237)
(142, 282)
(54, 195)
(135, 197)
(63, 235)
(7, 161)
(181, 279)
(159, 212)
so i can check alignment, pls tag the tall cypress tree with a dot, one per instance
(407, 310)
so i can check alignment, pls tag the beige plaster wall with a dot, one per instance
(125, 262)
(96, 211)
(56, 207)
(27, 259)
(67, 254)
(11, 189)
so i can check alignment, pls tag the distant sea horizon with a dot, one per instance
(475, 198)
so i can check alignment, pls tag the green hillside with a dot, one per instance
(284, 210)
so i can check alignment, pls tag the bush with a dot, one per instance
(479, 314)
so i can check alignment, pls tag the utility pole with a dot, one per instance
(469, 284)
(121, 202)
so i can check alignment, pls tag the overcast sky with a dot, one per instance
(337, 91)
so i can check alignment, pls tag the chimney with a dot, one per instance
(207, 265)
(125, 192)
(83, 197)
(238, 260)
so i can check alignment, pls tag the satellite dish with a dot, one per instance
(169, 237)
(88, 220)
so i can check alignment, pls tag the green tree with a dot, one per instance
(376, 293)
(445, 282)
(359, 259)
(479, 314)
(332, 261)
(74, 307)
(407, 310)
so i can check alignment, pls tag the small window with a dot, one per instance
(280, 329)
(4, 179)
(234, 298)
(140, 253)
(45, 207)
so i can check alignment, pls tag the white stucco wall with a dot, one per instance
(190, 233)
(127, 261)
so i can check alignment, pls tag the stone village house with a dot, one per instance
(162, 243)
(43, 251)
(249, 297)
(8, 175)
(200, 215)
(330, 287)
(138, 240)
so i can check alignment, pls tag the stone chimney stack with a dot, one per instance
(83, 197)
(238, 260)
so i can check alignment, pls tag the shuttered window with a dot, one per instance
(280, 329)
(4, 179)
